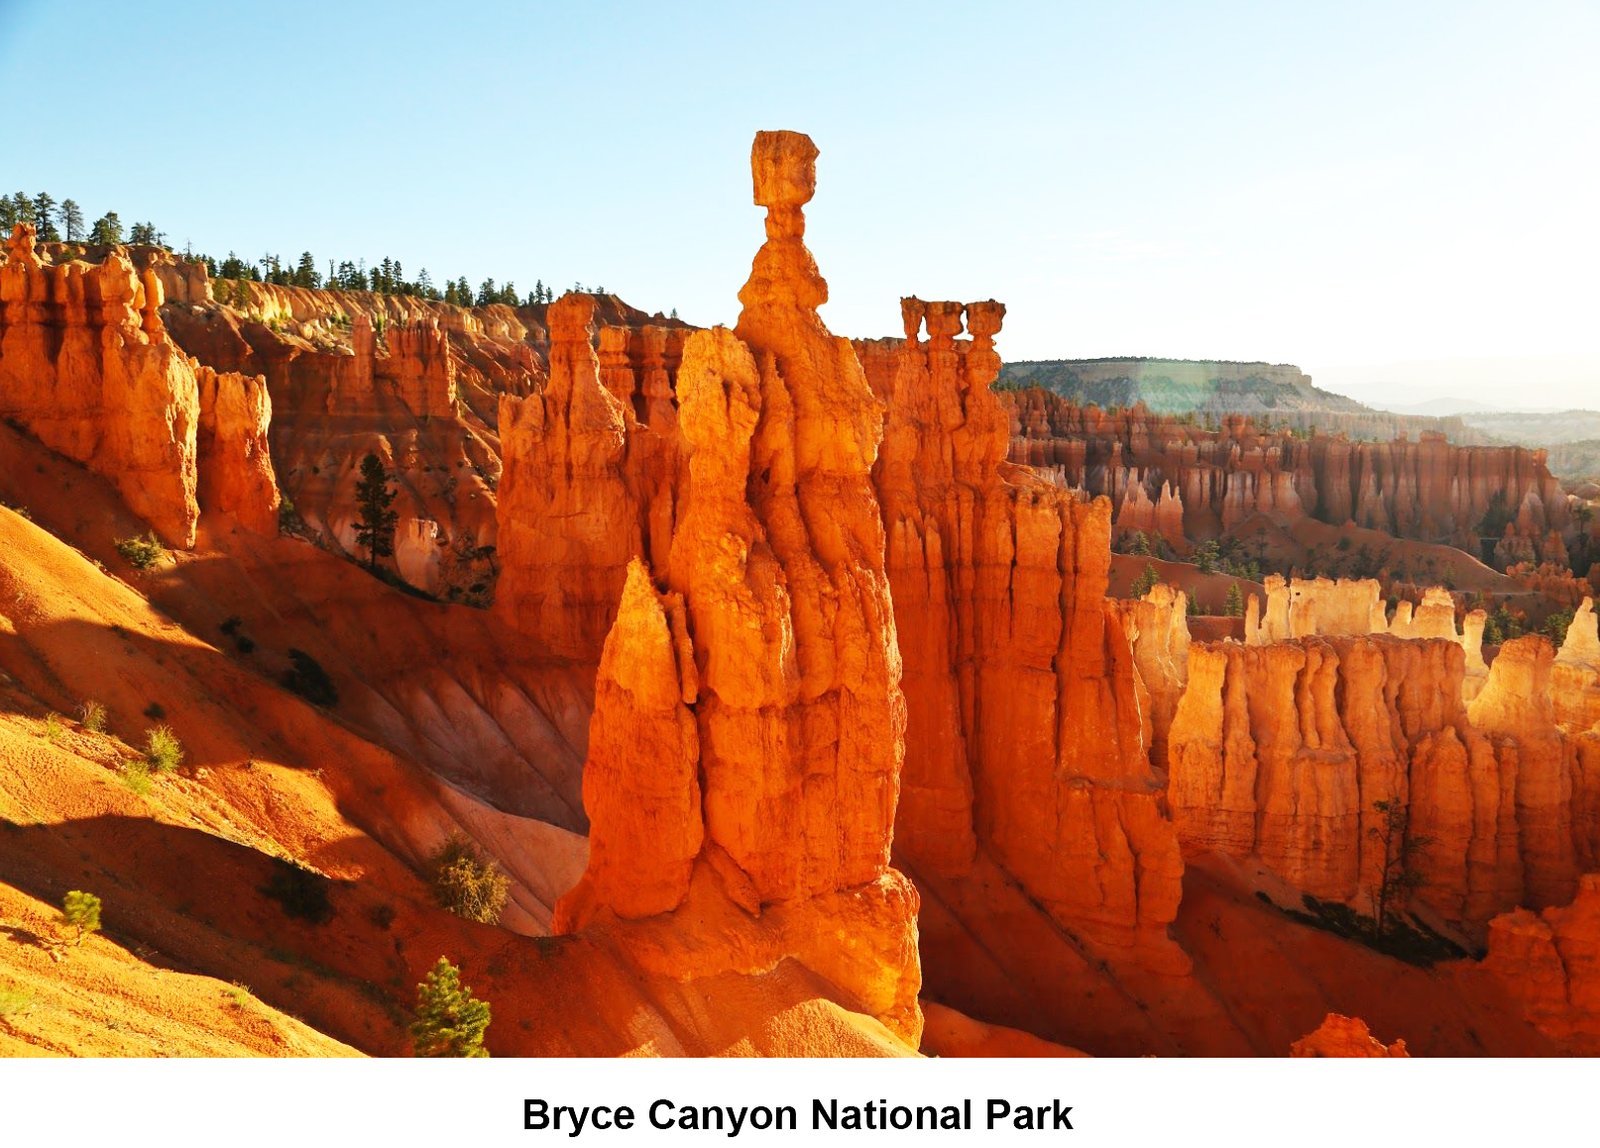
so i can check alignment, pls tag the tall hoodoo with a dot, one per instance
(745, 752)
(86, 366)
(235, 460)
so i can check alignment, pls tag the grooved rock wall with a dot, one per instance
(1279, 752)
(1026, 737)
(86, 367)
(585, 489)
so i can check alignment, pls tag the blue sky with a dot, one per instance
(1336, 185)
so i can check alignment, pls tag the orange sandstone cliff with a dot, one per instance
(87, 368)
(1025, 740)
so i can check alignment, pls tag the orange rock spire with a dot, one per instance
(748, 732)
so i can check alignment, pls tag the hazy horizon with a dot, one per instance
(1358, 191)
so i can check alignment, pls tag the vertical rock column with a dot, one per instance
(747, 740)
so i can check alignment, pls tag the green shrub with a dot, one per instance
(92, 716)
(53, 729)
(81, 911)
(141, 553)
(467, 883)
(450, 1021)
(163, 753)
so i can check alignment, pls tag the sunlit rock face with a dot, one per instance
(86, 366)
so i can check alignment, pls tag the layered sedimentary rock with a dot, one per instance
(417, 383)
(383, 377)
(1428, 489)
(1550, 963)
(1162, 517)
(586, 488)
(1341, 607)
(235, 459)
(1281, 752)
(86, 367)
(745, 752)
(421, 370)
(1026, 737)
(1345, 1036)
(1306, 607)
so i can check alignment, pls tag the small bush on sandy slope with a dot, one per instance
(81, 911)
(163, 753)
(92, 716)
(467, 883)
(141, 553)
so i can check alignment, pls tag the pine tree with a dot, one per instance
(44, 217)
(538, 293)
(424, 284)
(81, 911)
(376, 522)
(487, 293)
(21, 208)
(107, 229)
(1234, 606)
(305, 274)
(1146, 581)
(463, 292)
(1401, 848)
(508, 294)
(143, 234)
(8, 214)
(450, 1021)
(72, 220)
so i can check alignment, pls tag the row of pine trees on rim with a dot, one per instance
(65, 223)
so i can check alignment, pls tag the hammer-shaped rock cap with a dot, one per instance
(784, 167)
